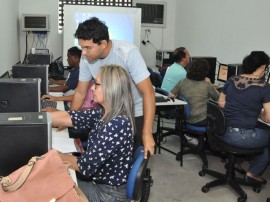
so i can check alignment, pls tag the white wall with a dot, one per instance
(228, 30)
(160, 38)
(9, 34)
(55, 40)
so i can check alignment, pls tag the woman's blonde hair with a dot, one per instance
(116, 87)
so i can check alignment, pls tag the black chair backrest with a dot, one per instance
(216, 119)
(161, 91)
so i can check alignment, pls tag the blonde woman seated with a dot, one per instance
(108, 158)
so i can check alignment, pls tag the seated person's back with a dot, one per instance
(197, 90)
(244, 98)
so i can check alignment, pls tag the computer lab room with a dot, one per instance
(205, 134)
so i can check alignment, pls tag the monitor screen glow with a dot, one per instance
(222, 73)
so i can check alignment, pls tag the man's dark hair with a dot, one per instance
(178, 54)
(75, 51)
(197, 69)
(93, 29)
(254, 60)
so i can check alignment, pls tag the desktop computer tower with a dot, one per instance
(164, 58)
(23, 135)
(41, 59)
(212, 62)
(238, 68)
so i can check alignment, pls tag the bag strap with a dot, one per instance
(6, 182)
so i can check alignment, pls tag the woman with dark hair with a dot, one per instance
(244, 99)
(197, 90)
(108, 158)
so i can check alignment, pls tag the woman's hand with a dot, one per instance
(49, 97)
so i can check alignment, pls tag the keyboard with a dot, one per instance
(161, 99)
(48, 103)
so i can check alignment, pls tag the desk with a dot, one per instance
(161, 106)
(63, 136)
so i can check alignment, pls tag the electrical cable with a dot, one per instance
(26, 48)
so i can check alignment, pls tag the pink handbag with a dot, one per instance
(44, 178)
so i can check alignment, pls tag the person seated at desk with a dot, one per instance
(73, 59)
(198, 90)
(176, 71)
(244, 98)
(108, 158)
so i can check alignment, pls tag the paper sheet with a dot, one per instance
(63, 144)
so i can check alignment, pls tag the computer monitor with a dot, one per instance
(225, 72)
(212, 66)
(20, 95)
(23, 135)
(33, 71)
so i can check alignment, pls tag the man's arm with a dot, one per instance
(62, 88)
(149, 106)
(56, 98)
(79, 95)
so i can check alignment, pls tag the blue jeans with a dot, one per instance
(250, 138)
(103, 193)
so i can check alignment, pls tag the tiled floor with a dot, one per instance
(173, 183)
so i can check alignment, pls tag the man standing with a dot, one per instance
(99, 50)
(176, 72)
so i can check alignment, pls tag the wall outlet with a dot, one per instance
(148, 31)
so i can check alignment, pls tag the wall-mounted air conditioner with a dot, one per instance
(153, 13)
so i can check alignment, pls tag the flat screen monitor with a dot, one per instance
(23, 135)
(33, 71)
(225, 72)
(20, 95)
(212, 66)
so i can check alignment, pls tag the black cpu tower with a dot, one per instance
(212, 62)
(41, 59)
(23, 135)
(238, 68)
(164, 58)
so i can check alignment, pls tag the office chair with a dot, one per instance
(217, 127)
(139, 180)
(197, 132)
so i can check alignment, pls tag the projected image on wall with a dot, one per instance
(124, 23)
(121, 26)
